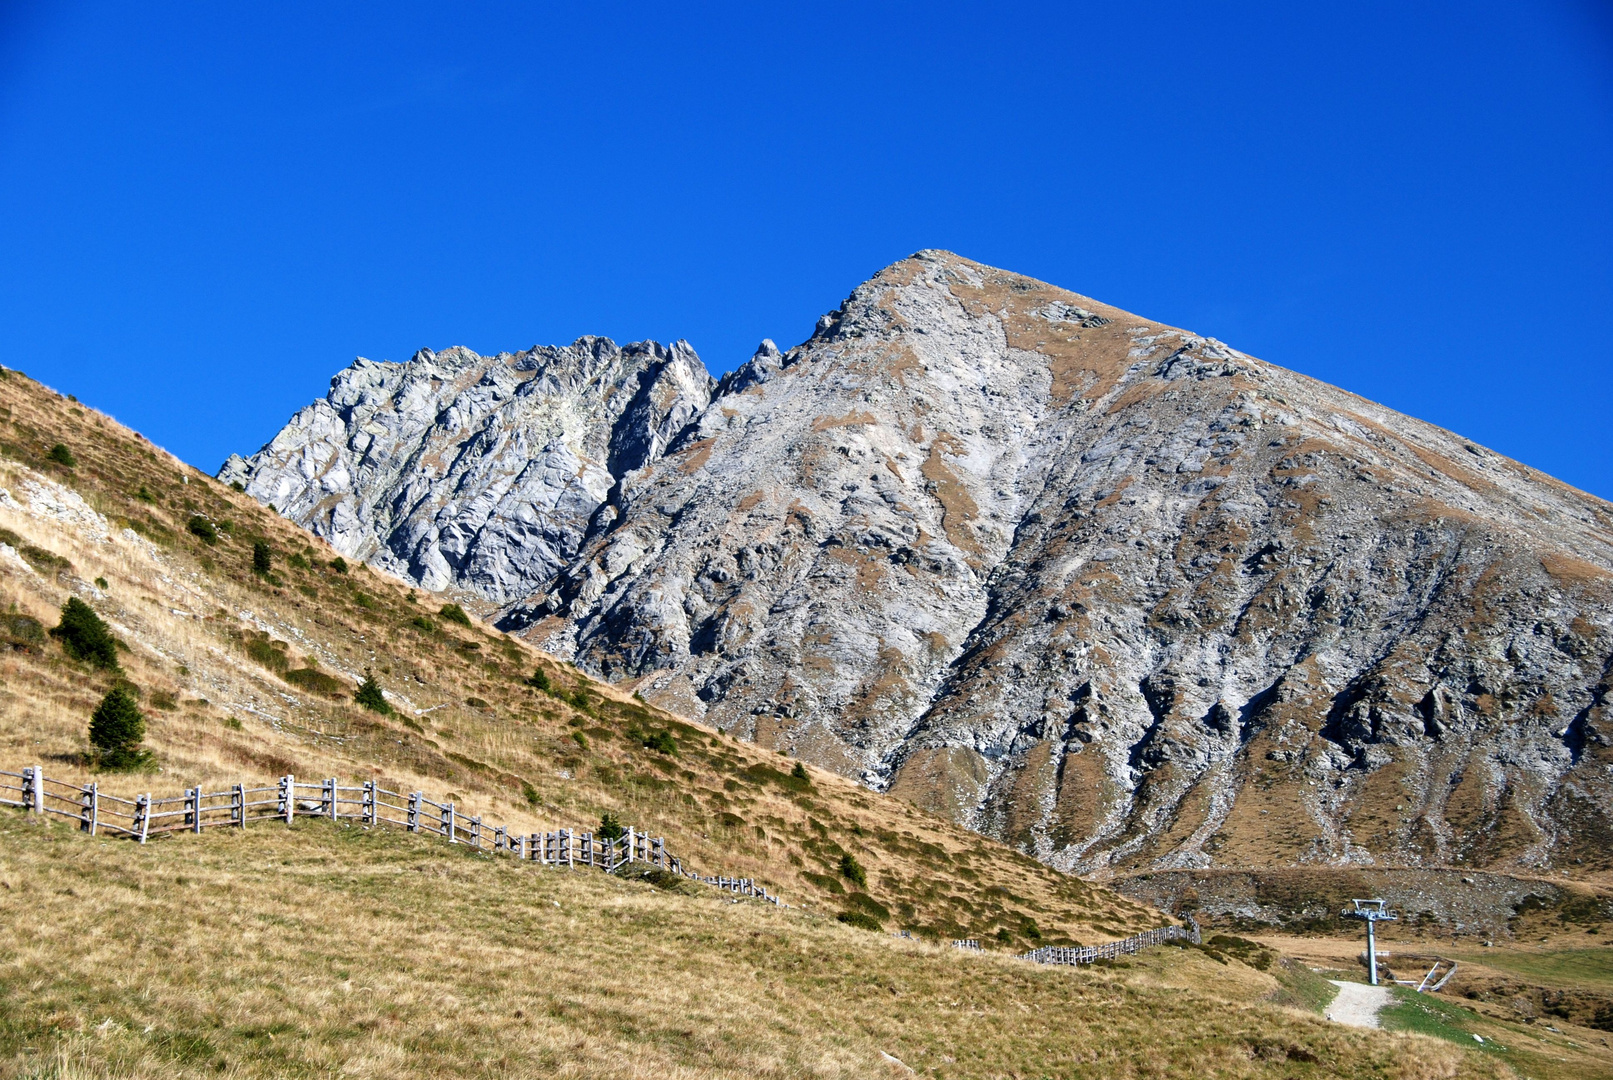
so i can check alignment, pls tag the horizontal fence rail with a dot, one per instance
(1088, 954)
(145, 816)
(195, 810)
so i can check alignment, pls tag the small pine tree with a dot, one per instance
(609, 828)
(454, 613)
(61, 455)
(262, 561)
(540, 679)
(853, 871)
(799, 772)
(85, 637)
(370, 696)
(662, 743)
(337, 564)
(117, 729)
(236, 485)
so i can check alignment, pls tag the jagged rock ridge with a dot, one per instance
(1106, 589)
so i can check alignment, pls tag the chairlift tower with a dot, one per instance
(1371, 912)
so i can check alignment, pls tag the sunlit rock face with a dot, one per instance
(477, 472)
(1108, 590)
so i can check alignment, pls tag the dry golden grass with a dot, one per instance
(321, 950)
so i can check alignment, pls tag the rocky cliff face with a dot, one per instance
(479, 472)
(1108, 590)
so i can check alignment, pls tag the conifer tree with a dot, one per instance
(116, 730)
(370, 696)
(85, 637)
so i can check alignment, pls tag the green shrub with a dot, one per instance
(145, 496)
(423, 624)
(454, 613)
(262, 561)
(800, 773)
(85, 637)
(315, 681)
(101, 583)
(364, 601)
(296, 561)
(236, 485)
(662, 743)
(609, 828)
(116, 730)
(165, 700)
(860, 919)
(61, 455)
(337, 564)
(477, 703)
(264, 652)
(540, 679)
(529, 793)
(853, 871)
(22, 632)
(581, 702)
(370, 696)
(202, 529)
(580, 739)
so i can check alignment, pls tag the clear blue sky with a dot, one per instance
(206, 210)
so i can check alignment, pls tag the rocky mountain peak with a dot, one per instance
(1110, 590)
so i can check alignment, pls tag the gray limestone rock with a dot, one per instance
(1111, 591)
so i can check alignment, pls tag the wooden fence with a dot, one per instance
(1086, 954)
(145, 816)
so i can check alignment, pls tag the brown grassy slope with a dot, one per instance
(208, 642)
(319, 949)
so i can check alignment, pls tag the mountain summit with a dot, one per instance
(1111, 591)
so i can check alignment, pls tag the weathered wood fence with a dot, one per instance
(369, 804)
(1087, 954)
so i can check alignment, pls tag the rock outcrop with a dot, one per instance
(1114, 592)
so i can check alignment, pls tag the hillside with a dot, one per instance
(320, 950)
(221, 658)
(1111, 592)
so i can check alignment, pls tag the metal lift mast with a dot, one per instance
(1372, 912)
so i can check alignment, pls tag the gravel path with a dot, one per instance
(1357, 1004)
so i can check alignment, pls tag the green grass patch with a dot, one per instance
(1427, 1014)
(1302, 988)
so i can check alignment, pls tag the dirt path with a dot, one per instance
(1357, 1004)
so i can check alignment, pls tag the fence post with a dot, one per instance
(193, 808)
(33, 781)
(91, 816)
(414, 811)
(448, 823)
(142, 814)
(238, 805)
(498, 838)
(327, 797)
(570, 858)
(630, 843)
(476, 832)
(369, 802)
(288, 796)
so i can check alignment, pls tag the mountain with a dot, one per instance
(1109, 591)
(393, 954)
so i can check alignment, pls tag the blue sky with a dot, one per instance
(207, 210)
